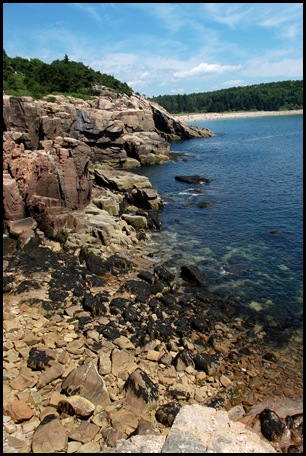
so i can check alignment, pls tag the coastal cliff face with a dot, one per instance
(51, 145)
(110, 128)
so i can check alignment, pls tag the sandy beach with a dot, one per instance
(232, 115)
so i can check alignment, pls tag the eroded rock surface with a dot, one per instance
(55, 152)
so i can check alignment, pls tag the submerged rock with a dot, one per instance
(194, 179)
(193, 274)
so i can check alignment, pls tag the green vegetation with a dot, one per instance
(272, 96)
(23, 77)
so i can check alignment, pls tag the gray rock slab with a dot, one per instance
(198, 429)
(139, 444)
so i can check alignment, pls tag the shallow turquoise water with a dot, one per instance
(249, 239)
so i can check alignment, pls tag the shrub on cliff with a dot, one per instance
(36, 78)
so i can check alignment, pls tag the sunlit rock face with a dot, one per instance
(109, 128)
(51, 149)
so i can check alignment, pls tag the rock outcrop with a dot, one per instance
(54, 150)
(110, 128)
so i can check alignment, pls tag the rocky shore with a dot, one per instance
(92, 359)
(106, 344)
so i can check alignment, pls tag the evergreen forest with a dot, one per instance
(272, 96)
(32, 77)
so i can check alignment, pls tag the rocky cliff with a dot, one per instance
(52, 146)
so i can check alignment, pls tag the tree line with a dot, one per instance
(272, 96)
(32, 77)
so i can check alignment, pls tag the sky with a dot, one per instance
(164, 48)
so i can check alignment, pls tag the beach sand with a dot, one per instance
(233, 115)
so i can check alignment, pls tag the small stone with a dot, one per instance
(23, 396)
(34, 397)
(85, 433)
(225, 381)
(125, 420)
(18, 410)
(105, 364)
(9, 427)
(48, 410)
(76, 347)
(90, 447)
(55, 398)
(50, 374)
(12, 357)
(124, 343)
(76, 405)
(41, 322)
(17, 443)
(153, 355)
(101, 419)
(31, 425)
(10, 325)
(7, 345)
(31, 339)
(73, 447)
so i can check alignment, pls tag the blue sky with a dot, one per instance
(164, 48)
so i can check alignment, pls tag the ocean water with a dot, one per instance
(248, 239)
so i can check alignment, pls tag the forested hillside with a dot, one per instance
(273, 96)
(36, 78)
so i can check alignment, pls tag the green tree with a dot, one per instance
(35, 76)
(266, 96)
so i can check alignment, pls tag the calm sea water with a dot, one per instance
(248, 240)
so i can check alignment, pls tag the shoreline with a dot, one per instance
(234, 115)
(29, 325)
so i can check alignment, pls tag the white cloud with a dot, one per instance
(233, 83)
(139, 83)
(180, 90)
(145, 74)
(205, 68)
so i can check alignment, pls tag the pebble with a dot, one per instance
(41, 390)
